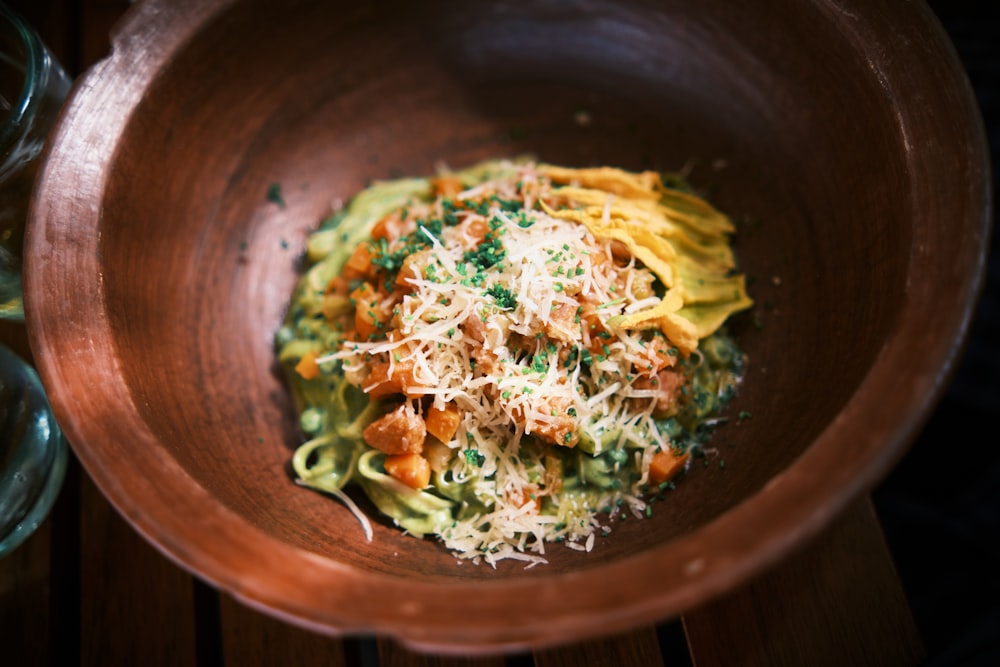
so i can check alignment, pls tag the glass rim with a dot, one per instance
(34, 63)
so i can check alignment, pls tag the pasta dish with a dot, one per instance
(514, 355)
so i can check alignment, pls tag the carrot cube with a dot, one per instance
(442, 423)
(359, 264)
(307, 367)
(665, 465)
(412, 470)
(366, 315)
(390, 227)
(446, 186)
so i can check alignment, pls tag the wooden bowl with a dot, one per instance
(841, 136)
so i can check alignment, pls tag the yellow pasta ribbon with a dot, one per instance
(681, 238)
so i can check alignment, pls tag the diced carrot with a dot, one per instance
(665, 353)
(359, 264)
(446, 186)
(411, 270)
(364, 292)
(562, 432)
(443, 422)
(390, 228)
(380, 383)
(487, 361)
(366, 315)
(410, 469)
(666, 387)
(307, 367)
(338, 285)
(365, 322)
(401, 431)
(562, 325)
(377, 383)
(475, 328)
(472, 231)
(536, 502)
(529, 495)
(665, 465)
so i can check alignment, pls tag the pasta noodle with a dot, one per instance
(512, 355)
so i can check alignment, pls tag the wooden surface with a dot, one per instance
(773, 619)
(87, 589)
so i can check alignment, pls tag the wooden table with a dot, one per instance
(87, 589)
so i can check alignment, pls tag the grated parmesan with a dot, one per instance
(509, 319)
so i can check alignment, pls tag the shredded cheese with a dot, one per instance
(532, 306)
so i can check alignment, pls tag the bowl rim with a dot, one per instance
(800, 502)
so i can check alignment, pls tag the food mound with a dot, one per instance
(512, 355)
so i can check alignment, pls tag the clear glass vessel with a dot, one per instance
(32, 452)
(33, 87)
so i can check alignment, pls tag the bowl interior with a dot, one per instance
(197, 261)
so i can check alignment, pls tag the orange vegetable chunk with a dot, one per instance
(390, 227)
(307, 366)
(380, 383)
(366, 317)
(446, 186)
(337, 285)
(665, 465)
(359, 264)
(401, 431)
(410, 469)
(443, 422)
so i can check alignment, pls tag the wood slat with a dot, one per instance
(15, 337)
(634, 649)
(251, 638)
(97, 17)
(837, 602)
(53, 21)
(393, 654)
(24, 600)
(136, 607)
(64, 570)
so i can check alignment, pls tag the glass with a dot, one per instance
(33, 452)
(32, 89)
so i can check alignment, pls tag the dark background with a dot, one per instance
(940, 507)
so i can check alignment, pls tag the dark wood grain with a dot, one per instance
(56, 23)
(15, 337)
(633, 649)
(76, 31)
(249, 637)
(837, 602)
(25, 589)
(137, 607)
(393, 654)
(99, 17)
